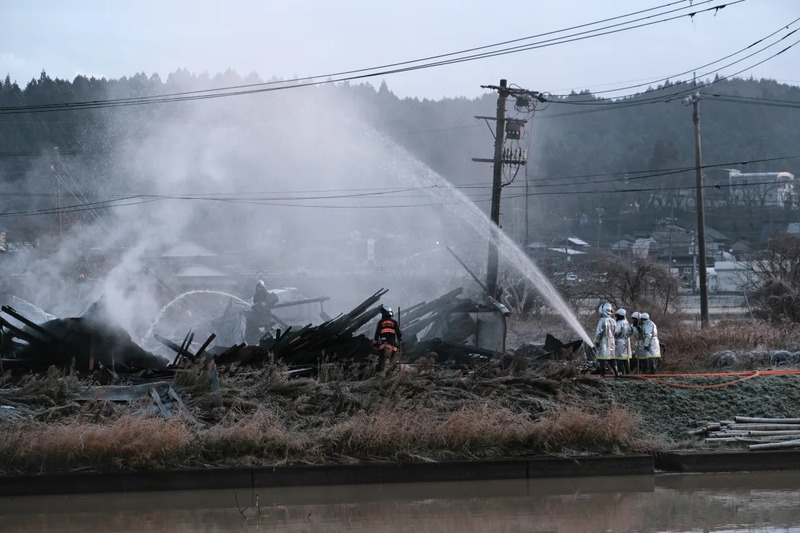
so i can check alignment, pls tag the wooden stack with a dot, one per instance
(758, 433)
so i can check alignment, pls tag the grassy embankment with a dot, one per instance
(427, 416)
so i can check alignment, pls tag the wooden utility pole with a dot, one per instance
(701, 219)
(525, 100)
(497, 176)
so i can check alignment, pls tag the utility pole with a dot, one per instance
(701, 221)
(524, 100)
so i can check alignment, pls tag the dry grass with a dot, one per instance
(577, 430)
(125, 443)
(688, 346)
(302, 421)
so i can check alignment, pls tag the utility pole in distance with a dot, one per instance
(503, 157)
(701, 219)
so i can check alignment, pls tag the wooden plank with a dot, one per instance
(202, 349)
(121, 393)
(157, 399)
(13, 312)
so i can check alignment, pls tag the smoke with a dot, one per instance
(292, 187)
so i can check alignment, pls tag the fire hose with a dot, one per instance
(743, 376)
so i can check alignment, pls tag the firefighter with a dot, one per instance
(604, 340)
(260, 315)
(622, 341)
(388, 340)
(651, 348)
(636, 340)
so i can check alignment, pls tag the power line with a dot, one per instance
(616, 101)
(608, 105)
(664, 79)
(143, 199)
(788, 104)
(372, 71)
(371, 192)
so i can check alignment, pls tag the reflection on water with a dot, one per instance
(697, 502)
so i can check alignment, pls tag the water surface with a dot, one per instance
(686, 503)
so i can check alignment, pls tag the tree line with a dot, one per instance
(586, 155)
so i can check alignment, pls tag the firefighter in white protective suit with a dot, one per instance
(636, 339)
(622, 341)
(604, 340)
(651, 348)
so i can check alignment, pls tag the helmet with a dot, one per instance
(635, 314)
(386, 311)
(621, 312)
(261, 283)
(645, 316)
(605, 309)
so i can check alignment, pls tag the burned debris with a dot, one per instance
(86, 342)
(451, 329)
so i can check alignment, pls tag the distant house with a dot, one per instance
(190, 266)
(733, 276)
(565, 249)
(731, 187)
(622, 247)
(741, 250)
(200, 276)
(644, 248)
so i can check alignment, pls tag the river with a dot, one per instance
(665, 503)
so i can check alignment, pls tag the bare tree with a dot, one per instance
(633, 283)
(775, 279)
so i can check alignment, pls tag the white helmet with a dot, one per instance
(621, 312)
(635, 314)
(605, 309)
(645, 316)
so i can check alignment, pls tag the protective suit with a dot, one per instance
(604, 338)
(622, 340)
(651, 349)
(388, 340)
(636, 339)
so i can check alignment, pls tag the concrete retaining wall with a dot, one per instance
(288, 476)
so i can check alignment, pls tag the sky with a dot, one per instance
(286, 39)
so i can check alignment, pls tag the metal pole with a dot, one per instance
(701, 222)
(492, 267)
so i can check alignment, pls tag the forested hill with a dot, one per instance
(585, 152)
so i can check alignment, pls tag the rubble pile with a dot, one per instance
(448, 330)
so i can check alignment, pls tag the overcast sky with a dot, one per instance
(315, 37)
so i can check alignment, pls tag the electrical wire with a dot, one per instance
(664, 79)
(365, 73)
(142, 199)
(621, 105)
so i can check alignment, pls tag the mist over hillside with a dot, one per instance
(340, 175)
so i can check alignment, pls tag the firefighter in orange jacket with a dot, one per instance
(388, 339)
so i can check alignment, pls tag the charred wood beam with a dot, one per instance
(202, 349)
(179, 349)
(13, 313)
(434, 305)
(363, 320)
(301, 302)
(24, 335)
